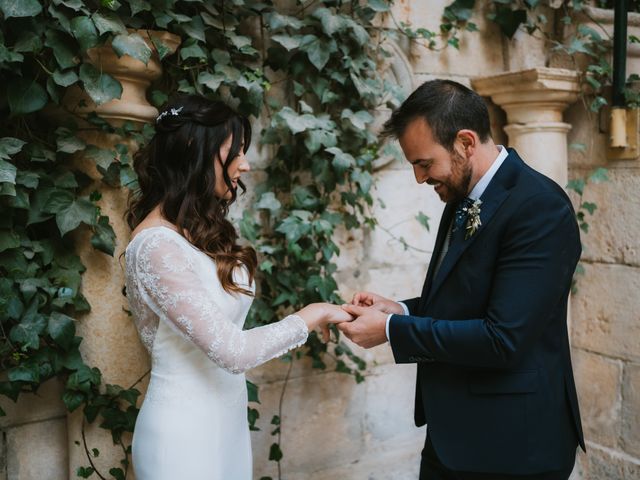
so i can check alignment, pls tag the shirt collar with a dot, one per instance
(483, 183)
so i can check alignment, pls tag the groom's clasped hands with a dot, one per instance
(363, 320)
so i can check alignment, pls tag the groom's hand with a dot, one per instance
(368, 328)
(369, 299)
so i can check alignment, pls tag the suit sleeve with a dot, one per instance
(412, 305)
(532, 279)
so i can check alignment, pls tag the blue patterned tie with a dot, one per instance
(462, 212)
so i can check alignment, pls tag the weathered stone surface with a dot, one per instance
(479, 51)
(322, 424)
(605, 464)
(47, 403)
(604, 311)
(598, 384)
(37, 451)
(631, 409)
(613, 228)
(403, 199)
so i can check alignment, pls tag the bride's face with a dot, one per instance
(235, 168)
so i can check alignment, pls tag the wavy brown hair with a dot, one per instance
(176, 172)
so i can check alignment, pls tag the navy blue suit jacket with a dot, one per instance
(489, 333)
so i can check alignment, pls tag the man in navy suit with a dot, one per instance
(489, 331)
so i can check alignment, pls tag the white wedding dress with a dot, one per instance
(193, 421)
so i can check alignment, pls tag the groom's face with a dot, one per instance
(448, 172)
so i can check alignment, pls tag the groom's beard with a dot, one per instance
(456, 186)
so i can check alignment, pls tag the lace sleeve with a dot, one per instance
(166, 269)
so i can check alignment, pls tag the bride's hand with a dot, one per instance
(320, 315)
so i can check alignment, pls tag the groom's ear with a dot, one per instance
(467, 141)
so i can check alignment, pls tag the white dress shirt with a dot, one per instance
(475, 194)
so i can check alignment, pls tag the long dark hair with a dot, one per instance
(176, 171)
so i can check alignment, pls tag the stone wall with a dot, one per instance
(335, 428)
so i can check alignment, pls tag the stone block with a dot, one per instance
(631, 409)
(605, 464)
(479, 51)
(38, 451)
(390, 391)
(403, 199)
(45, 404)
(613, 228)
(322, 424)
(598, 384)
(604, 311)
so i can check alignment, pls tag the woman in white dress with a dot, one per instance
(190, 286)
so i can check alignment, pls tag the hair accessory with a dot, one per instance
(174, 112)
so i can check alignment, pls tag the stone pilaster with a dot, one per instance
(534, 101)
(110, 340)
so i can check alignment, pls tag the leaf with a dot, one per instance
(252, 392)
(132, 44)
(9, 146)
(599, 175)
(101, 87)
(68, 143)
(65, 79)
(423, 220)
(108, 22)
(275, 453)
(84, 32)
(192, 49)
(597, 103)
(61, 46)
(24, 374)
(28, 42)
(359, 119)
(26, 96)
(576, 185)
(317, 52)
(268, 201)
(84, 472)
(210, 80)
(27, 332)
(62, 329)
(287, 41)
(378, 5)
(589, 207)
(195, 29)
(104, 238)
(20, 8)
(80, 211)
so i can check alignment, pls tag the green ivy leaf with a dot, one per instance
(80, 211)
(7, 172)
(9, 146)
(289, 42)
(275, 453)
(104, 238)
(378, 5)
(65, 79)
(132, 44)
(268, 201)
(28, 331)
(317, 52)
(109, 22)
(24, 374)
(252, 392)
(84, 32)
(21, 8)
(61, 46)
(599, 175)
(26, 96)
(210, 80)
(62, 329)
(101, 87)
(423, 220)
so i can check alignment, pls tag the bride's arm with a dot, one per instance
(165, 268)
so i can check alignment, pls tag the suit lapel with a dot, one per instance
(445, 221)
(496, 193)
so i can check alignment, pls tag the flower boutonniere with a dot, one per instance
(473, 219)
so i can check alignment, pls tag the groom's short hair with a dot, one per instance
(447, 107)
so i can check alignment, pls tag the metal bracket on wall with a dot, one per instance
(631, 151)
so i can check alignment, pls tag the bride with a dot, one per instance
(190, 286)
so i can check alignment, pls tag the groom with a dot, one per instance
(489, 331)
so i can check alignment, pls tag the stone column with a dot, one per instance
(110, 340)
(534, 100)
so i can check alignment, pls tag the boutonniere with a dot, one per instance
(473, 219)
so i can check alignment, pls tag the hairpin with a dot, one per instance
(174, 112)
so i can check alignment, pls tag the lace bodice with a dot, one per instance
(169, 280)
